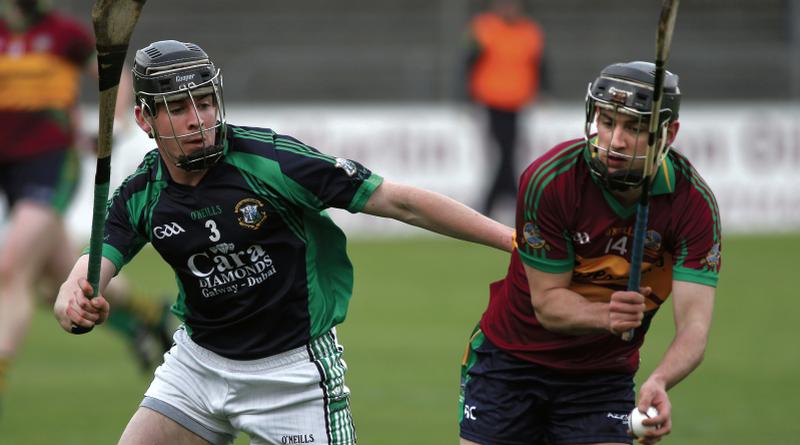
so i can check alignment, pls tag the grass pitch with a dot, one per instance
(415, 303)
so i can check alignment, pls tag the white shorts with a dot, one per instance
(295, 397)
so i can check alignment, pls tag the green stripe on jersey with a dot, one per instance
(706, 277)
(112, 254)
(364, 192)
(700, 185)
(329, 273)
(281, 143)
(547, 265)
(263, 190)
(535, 185)
(179, 308)
(562, 162)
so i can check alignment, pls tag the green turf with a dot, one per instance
(415, 302)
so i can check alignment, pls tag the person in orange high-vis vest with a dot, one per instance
(504, 76)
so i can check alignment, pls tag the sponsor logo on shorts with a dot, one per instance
(298, 438)
(622, 417)
(167, 230)
(469, 412)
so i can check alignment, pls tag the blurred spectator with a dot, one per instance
(504, 61)
(42, 56)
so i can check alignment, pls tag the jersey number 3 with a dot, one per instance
(212, 226)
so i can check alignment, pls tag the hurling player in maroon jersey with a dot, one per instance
(547, 363)
(43, 55)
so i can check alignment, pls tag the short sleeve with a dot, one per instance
(321, 181)
(542, 239)
(697, 251)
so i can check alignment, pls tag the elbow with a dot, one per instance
(549, 319)
(547, 322)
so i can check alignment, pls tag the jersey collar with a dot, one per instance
(663, 184)
(665, 179)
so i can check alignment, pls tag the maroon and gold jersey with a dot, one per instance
(567, 221)
(39, 81)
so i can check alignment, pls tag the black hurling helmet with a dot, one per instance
(627, 88)
(169, 70)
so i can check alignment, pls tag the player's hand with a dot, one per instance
(626, 310)
(73, 306)
(654, 393)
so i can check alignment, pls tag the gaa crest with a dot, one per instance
(652, 240)
(250, 213)
(713, 256)
(533, 237)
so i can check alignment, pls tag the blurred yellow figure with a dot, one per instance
(42, 56)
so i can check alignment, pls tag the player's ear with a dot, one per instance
(142, 121)
(672, 131)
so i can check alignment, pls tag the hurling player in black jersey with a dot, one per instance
(262, 271)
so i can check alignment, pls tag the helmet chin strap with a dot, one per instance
(619, 181)
(201, 160)
(198, 161)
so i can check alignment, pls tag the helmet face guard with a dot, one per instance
(170, 71)
(619, 104)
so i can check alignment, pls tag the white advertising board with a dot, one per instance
(748, 153)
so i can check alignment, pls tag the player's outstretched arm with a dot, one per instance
(73, 304)
(438, 213)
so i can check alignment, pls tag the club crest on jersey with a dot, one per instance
(347, 165)
(250, 213)
(533, 237)
(713, 256)
(652, 240)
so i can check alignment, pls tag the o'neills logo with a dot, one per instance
(250, 213)
(299, 438)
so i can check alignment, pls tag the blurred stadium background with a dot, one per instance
(380, 81)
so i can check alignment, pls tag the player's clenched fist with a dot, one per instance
(73, 307)
(626, 310)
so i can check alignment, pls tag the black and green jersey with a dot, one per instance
(260, 266)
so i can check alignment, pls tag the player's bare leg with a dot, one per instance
(58, 263)
(24, 252)
(148, 427)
